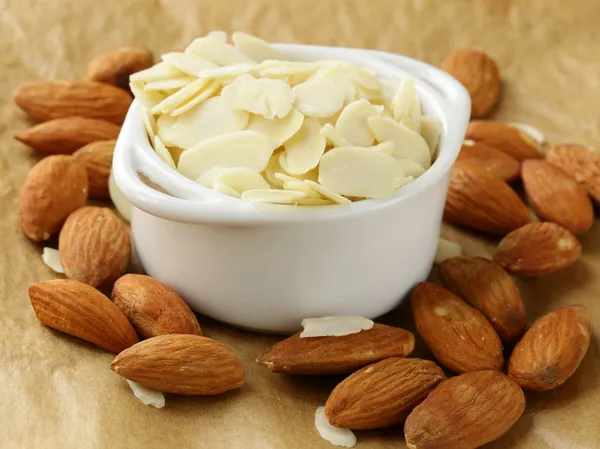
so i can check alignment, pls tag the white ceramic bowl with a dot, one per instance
(266, 267)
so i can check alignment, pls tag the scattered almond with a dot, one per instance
(489, 159)
(537, 249)
(182, 364)
(51, 258)
(82, 311)
(97, 157)
(580, 163)
(116, 65)
(335, 435)
(552, 349)
(148, 397)
(458, 335)
(334, 326)
(504, 137)
(382, 394)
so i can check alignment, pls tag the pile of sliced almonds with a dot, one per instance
(240, 119)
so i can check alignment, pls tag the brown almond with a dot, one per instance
(152, 307)
(116, 65)
(94, 246)
(487, 287)
(465, 412)
(479, 73)
(579, 162)
(504, 137)
(334, 355)
(66, 135)
(382, 394)
(552, 349)
(49, 100)
(483, 202)
(55, 187)
(182, 364)
(97, 158)
(82, 311)
(488, 159)
(458, 335)
(537, 249)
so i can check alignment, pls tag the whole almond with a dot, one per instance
(66, 135)
(479, 73)
(537, 249)
(333, 355)
(82, 311)
(465, 412)
(580, 163)
(483, 157)
(94, 246)
(182, 364)
(97, 157)
(556, 197)
(552, 349)
(481, 201)
(458, 335)
(504, 137)
(48, 100)
(487, 287)
(55, 187)
(116, 65)
(382, 394)
(152, 307)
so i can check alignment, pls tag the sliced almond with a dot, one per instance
(341, 78)
(239, 179)
(309, 201)
(406, 106)
(51, 258)
(217, 51)
(180, 97)
(266, 97)
(410, 167)
(335, 326)
(325, 192)
(273, 196)
(274, 168)
(352, 123)
(163, 153)
(304, 150)
(148, 397)
(533, 132)
(174, 83)
(205, 93)
(334, 136)
(335, 435)
(279, 130)
(149, 99)
(365, 77)
(299, 186)
(149, 123)
(319, 97)
(158, 72)
(388, 148)
(431, 130)
(254, 48)
(226, 190)
(188, 63)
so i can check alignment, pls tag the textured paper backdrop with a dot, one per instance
(58, 392)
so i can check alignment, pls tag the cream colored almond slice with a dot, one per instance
(535, 133)
(118, 199)
(249, 149)
(385, 147)
(340, 77)
(148, 397)
(319, 97)
(217, 51)
(334, 136)
(352, 123)
(148, 99)
(175, 83)
(335, 435)
(404, 100)
(272, 170)
(304, 150)
(431, 131)
(231, 71)
(188, 63)
(364, 77)
(219, 35)
(273, 196)
(158, 72)
(162, 152)
(326, 193)
(238, 178)
(279, 69)
(51, 258)
(334, 326)
(253, 47)
(360, 172)
(207, 92)
(181, 96)
(310, 201)
(149, 123)
(407, 143)
(413, 120)
(411, 168)
(300, 186)
(446, 250)
(270, 98)
(226, 190)
(279, 130)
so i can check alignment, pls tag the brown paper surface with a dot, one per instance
(58, 392)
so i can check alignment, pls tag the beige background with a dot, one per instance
(59, 393)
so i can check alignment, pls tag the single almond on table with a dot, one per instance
(504, 137)
(116, 65)
(479, 73)
(481, 201)
(55, 187)
(556, 197)
(97, 157)
(334, 355)
(552, 349)
(484, 157)
(152, 307)
(82, 311)
(537, 249)
(487, 287)
(182, 364)
(66, 135)
(48, 100)
(580, 163)
(458, 335)
(94, 246)
(465, 412)
(382, 394)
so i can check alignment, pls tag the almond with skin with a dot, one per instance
(487, 287)
(479, 73)
(504, 137)
(49, 100)
(579, 162)
(335, 355)
(481, 201)
(182, 364)
(556, 197)
(116, 65)
(465, 412)
(94, 246)
(97, 157)
(552, 349)
(537, 249)
(483, 157)
(458, 335)
(66, 135)
(152, 307)
(382, 394)
(55, 187)
(82, 311)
